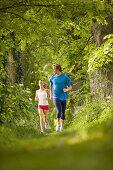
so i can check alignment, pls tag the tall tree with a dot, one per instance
(57, 31)
(102, 78)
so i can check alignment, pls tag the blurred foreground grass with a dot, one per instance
(90, 149)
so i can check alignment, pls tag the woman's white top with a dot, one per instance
(42, 97)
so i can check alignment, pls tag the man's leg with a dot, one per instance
(62, 123)
(63, 113)
(58, 106)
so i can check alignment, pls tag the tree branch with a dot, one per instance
(21, 17)
(81, 49)
(44, 45)
(24, 5)
(85, 45)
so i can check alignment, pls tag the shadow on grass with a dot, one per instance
(55, 152)
(67, 150)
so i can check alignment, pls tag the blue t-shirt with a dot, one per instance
(59, 83)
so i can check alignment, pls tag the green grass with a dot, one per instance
(82, 150)
(87, 144)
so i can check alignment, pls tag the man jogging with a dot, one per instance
(60, 84)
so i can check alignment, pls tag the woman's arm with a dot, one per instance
(36, 97)
(48, 94)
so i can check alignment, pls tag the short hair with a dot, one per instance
(58, 66)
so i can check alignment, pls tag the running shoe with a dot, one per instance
(58, 127)
(61, 129)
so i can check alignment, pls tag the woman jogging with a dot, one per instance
(46, 120)
(42, 96)
(60, 84)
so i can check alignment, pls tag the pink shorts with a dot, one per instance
(43, 107)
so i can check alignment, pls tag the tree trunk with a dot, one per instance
(98, 83)
(11, 67)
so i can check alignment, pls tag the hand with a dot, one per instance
(46, 98)
(51, 98)
(65, 90)
(36, 98)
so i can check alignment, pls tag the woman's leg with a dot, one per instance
(41, 113)
(45, 116)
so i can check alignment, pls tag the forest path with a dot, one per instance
(59, 151)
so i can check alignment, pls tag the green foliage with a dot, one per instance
(93, 114)
(101, 57)
(69, 113)
(16, 104)
(52, 31)
(45, 32)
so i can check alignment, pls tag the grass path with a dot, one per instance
(59, 151)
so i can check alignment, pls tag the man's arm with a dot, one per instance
(67, 89)
(51, 92)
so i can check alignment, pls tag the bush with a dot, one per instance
(93, 113)
(16, 104)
